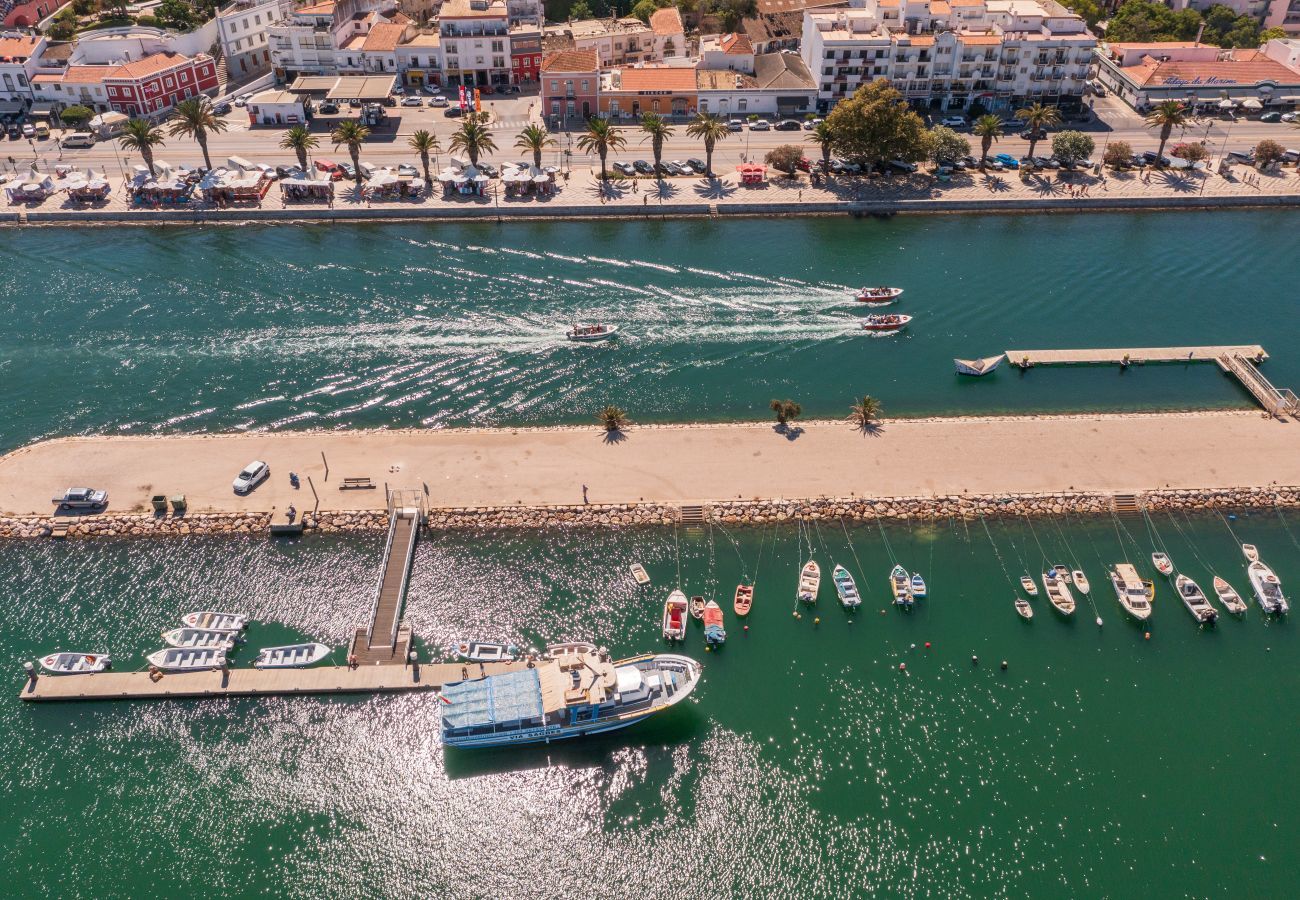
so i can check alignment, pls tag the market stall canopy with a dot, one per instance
(1225, 103)
(382, 178)
(366, 88)
(1251, 103)
(449, 174)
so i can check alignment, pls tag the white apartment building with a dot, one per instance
(947, 54)
(622, 42)
(242, 29)
(20, 56)
(475, 37)
(325, 38)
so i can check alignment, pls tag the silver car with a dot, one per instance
(254, 474)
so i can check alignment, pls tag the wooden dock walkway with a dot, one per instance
(256, 682)
(1134, 355)
(385, 641)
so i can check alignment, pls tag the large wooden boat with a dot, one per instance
(1058, 592)
(845, 587)
(1133, 593)
(900, 585)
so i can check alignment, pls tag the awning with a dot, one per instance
(41, 110)
(9, 107)
(366, 88)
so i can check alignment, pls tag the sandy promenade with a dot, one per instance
(465, 468)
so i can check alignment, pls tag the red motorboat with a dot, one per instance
(879, 294)
(885, 323)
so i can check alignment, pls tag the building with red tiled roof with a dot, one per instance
(144, 87)
(667, 90)
(1144, 75)
(570, 86)
(727, 51)
(19, 61)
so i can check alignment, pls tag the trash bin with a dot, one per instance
(159, 504)
(178, 504)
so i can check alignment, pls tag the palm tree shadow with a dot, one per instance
(1046, 188)
(870, 429)
(996, 184)
(784, 429)
(666, 190)
(354, 194)
(716, 189)
(610, 190)
(615, 436)
(1179, 183)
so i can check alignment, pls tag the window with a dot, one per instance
(537, 60)
(586, 85)
(741, 104)
(555, 85)
(654, 105)
(22, 80)
(257, 19)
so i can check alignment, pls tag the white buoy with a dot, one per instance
(1099, 621)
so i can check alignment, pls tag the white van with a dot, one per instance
(79, 139)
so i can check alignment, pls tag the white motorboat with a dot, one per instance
(1164, 565)
(486, 651)
(291, 656)
(1195, 600)
(918, 586)
(1023, 609)
(846, 587)
(675, 613)
(1134, 594)
(215, 621)
(639, 573)
(588, 333)
(200, 637)
(1251, 552)
(810, 582)
(901, 586)
(75, 663)
(977, 367)
(1058, 591)
(1080, 582)
(184, 659)
(1230, 599)
(879, 295)
(1028, 584)
(1268, 589)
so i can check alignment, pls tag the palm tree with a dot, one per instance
(194, 118)
(785, 411)
(709, 129)
(657, 131)
(1166, 116)
(473, 138)
(600, 138)
(535, 138)
(1038, 117)
(352, 133)
(613, 418)
(824, 137)
(863, 415)
(142, 137)
(299, 140)
(424, 143)
(988, 129)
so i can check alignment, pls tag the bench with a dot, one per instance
(357, 484)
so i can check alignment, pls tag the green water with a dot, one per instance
(151, 330)
(805, 765)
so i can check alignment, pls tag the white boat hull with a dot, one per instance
(293, 656)
(592, 338)
(75, 663)
(215, 621)
(200, 637)
(977, 367)
(187, 659)
(1268, 589)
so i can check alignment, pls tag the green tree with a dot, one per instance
(76, 116)
(1118, 153)
(424, 143)
(786, 411)
(613, 418)
(988, 129)
(1166, 116)
(84, 7)
(1276, 33)
(351, 134)
(946, 145)
(1036, 118)
(64, 26)
(1268, 152)
(300, 141)
(580, 10)
(644, 10)
(657, 131)
(115, 8)
(1089, 10)
(1072, 146)
(142, 137)
(473, 138)
(823, 135)
(176, 14)
(194, 118)
(784, 158)
(600, 138)
(875, 125)
(709, 129)
(535, 138)
(865, 413)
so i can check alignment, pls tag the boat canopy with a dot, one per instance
(491, 701)
(629, 679)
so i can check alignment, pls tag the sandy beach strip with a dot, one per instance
(686, 464)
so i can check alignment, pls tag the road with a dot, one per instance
(388, 145)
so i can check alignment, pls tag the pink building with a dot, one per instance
(570, 86)
(26, 13)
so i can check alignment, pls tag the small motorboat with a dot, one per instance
(744, 599)
(75, 663)
(1134, 594)
(879, 294)
(977, 367)
(1023, 609)
(675, 616)
(1230, 599)
(292, 656)
(1080, 582)
(200, 637)
(918, 586)
(810, 582)
(1028, 584)
(639, 573)
(1058, 591)
(215, 621)
(885, 322)
(1268, 589)
(901, 586)
(1195, 600)
(713, 630)
(697, 607)
(846, 588)
(1251, 552)
(484, 651)
(187, 659)
(591, 332)
(1164, 565)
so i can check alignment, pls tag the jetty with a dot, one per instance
(386, 640)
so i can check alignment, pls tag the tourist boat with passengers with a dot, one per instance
(1023, 609)
(1058, 591)
(75, 663)
(575, 690)
(744, 599)
(977, 367)
(675, 612)
(1195, 600)
(187, 659)
(845, 587)
(1164, 565)
(1134, 594)
(1230, 599)
(486, 651)
(215, 621)
(884, 323)
(918, 586)
(1268, 589)
(900, 585)
(200, 637)
(879, 295)
(589, 333)
(290, 656)
(810, 582)
(1028, 584)
(1080, 582)
(714, 633)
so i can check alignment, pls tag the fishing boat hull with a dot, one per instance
(900, 585)
(639, 573)
(918, 586)
(1134, 594)
(215, 621)
(486, 651)
(714, 633)
(1028, 584)
(675, 615)
(187, 659)
(593, 337)
(1195, 600)
(1268, 589)
(846, 588)
(1251, 552)
(75, 663)
(878, 296)
(977, 367)
(1230, 599)
(292, 656)
(697, 607)
(744, 599)
(1080, 581)
(199, 637)
(1023, 609)
(810, 579)
(881, 324)
(1164, 565)
(1058, 593)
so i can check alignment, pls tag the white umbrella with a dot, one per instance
(1225, 103)
(448, 174)
(541, 179)
(1252, 103)
(382, 178)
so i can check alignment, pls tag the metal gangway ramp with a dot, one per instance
(386, 640)
(1278, 401)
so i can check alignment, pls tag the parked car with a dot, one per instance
(252, 475)
(406, 170)
(240, 102)
(347, 170)
(29, 130)
(899, 165)
(643, 167)
(760, 125)
(1271, 117)
(992, 162)
(489, 170)
(286, 171)
(221, 109)
(625, 168)
(735, 125)
(79, 139)
(328, 108)
(953, 121)
(810, 124)
(697, 165)
(430, 89)
(81, 498)
(804, 164)
(412, 101)
(438, 100)
(1007, 160)
(1289, 117)
(15, 132)
(788, 125)
(42, 130)
(452, 112)
(1046, 162)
